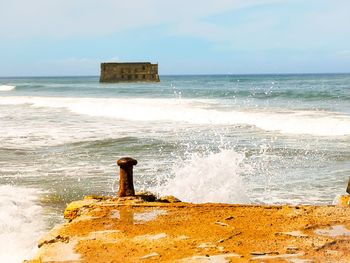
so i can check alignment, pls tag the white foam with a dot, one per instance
(212, 178)
(7, 87)
(190, 111)
(20, 223)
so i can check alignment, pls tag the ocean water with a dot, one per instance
(266, 139)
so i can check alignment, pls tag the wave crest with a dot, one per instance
(200, 112)
(7, 87)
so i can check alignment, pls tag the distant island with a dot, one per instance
(129, 72)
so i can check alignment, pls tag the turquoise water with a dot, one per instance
(233, 139)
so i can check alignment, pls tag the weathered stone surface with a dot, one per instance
(296, 233)
(333, 231)
(257, 253)
(169, 199)
(112, 230)
(291, 249)
(60, 252)
(74, 208)
(152, 255)
(221, 223)
(344, 200)
(147, 196)
(276, 257)
(213, 258)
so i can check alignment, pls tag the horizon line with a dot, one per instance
(184, 75)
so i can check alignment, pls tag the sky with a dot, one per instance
(72, 37)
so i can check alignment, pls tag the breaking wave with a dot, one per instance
(20, 223)
(7, 87)
(201, 112)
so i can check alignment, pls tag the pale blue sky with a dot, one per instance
(72, 37)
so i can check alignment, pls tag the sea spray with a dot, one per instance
(21, 223)
(63, 135)
(209, 178)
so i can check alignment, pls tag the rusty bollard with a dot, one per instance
(348, 188)
(126, 183)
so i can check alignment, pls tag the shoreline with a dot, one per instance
(141, 229)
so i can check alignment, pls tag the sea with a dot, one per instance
(248, 139)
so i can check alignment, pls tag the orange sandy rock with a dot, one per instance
(132, 230)
(345, 200)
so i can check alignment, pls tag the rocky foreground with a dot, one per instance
(132, 229)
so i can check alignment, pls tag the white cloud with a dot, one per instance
(227, 34)
(65, 18)
(314, 26)
(200, 29)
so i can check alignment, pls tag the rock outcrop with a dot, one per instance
(133, 229)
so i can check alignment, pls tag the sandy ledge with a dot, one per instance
(106, 229)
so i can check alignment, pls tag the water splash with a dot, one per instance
(211, 178)
(21, 223)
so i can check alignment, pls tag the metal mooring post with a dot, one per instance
(126, 184)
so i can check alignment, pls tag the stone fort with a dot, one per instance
(129, 72)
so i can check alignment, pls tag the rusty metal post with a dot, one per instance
(348, 188)
(126, 184)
